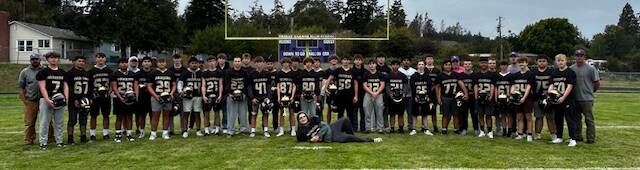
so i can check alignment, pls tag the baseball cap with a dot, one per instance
(34, 56)
(580, 52)
(455, 59)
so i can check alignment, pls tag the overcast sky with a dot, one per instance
(590, 16)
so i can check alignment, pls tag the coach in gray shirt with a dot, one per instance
(587, 83)
(29, 95)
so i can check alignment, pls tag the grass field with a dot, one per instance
(617, 146)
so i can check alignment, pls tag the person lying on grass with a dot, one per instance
(311, 129)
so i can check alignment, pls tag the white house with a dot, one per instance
(28, 38)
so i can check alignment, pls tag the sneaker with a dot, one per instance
(444, 131)
(43, 147)
(216, 131)
(253, 134)
(529, 138)
(185, 134)
(165, 135)
(413, 132)
(556, 140)
(293, 133)
(490, 135)
(266, 134)
(280, 132)
(130, 138)
(537, 137)
(141, 135)
(224, 131)
(206, 131)
(481, 134)
(199, 133)
(572, 143)
(92, 138)
(83, 139)
(152, 136)
(117, 138)
(377, 140)
(476, 132)
(61, 145)
(519, 137)
(105, 137)
(381, 131)
(463, 132)
(70, 141)
(428, 133)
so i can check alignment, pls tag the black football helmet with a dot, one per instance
(101, 92)
(130, 98)
(483, 97)
(213, 102)
(176, 107)
(187, 92)
(285, 101)
(237, 95)
(333, 89)
(397, 95)
(502, 99)
(459, 98)
(267, 106)
(59, 101)
(309, 96)
(84, 104)
(553, 97)
(165, 97)
(516, 96)
(423, 97)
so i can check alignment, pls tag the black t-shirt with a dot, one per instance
(142, 83)
(212, 81)
(322, 75)
(344, 80)
(484, 81)
(542, 82)
(161, 81)
(468, 80)
(373, 80)
(192, 79)
(261, 84)
(177, 73)
(449, 84)
(561, 79)
(521, 80)
(79, 84)
(236, 80)
(359, 73)
(285, 82)
(503, 83)
(124, 81)
(384, 69)
(100, 77)
(296, 74)
(433, 73)
(248, 69)
(421, 82)
(309, 81)
(54, 80)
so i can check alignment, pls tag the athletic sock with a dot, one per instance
(92, 132)
(504, 130)
(265, 129)
(105, 132)
(153, 133)
(482, 128)
(253, 130)
(529, 134)
(400, 127)
(128, 132)
(489, 129)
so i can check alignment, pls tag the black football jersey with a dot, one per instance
(142, 83)
(100, 77)
(193, 79)
(285, 82)
(521, 80)
(484, 81)
(344, 80)
(373, 80)
(468, 80)
(561, 79)
(503, 83)
(236, 80)
(543, 78)
(421, 82)
(177, 72)
(212, 81)
(54, 80)
(161, 81)
(124, 81)
(396, 80)
(79, 84)
(309, 81)
(449, 84)
(261, 82)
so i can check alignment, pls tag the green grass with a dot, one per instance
(617, 146)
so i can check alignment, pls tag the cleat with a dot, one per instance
(481, 134)
(413, 132)
(490, 135)
(377, 140)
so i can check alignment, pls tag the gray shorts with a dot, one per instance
(192, 105)
(538, 111)
(156, 106)
(449, 106)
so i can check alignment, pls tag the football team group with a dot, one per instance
(510, 98)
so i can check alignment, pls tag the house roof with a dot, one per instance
(53, 31)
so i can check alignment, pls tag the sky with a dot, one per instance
(590, 16)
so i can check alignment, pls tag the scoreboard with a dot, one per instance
(313, 46)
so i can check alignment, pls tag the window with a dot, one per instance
(43, 44)
(25, 45)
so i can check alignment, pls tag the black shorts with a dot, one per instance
(421, 109)
(396, 108)
(120, 108)
(101, 106)
(76, 115)
(449, 106)
(143, 106)
(526, 107)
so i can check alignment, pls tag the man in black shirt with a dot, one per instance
(433, 72)
(359, 71)
(260, 91)
(124, 81)
(296, 70)
(79, 79)
(286, 83)
(469, 106)
(523, 81)
(330, 97)
(543, 78)
(177, 71)
(100, 75)
(223, 66)
(236, 88)
(347, 92)
(310, 89)
(397, 81)
(191, 79)
(563, 79)
(160, 80)
(421, 85)
(373, 83)
(212, 89)
(317, 68)
(51, 83)
(274, 98)
(484, 88)
(144, 106)
(448, 85)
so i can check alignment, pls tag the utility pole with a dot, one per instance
(500, 37)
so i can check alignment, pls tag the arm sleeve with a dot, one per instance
(22, 82)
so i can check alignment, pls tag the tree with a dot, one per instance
(427, 26)
(416, 25)
(31, 11)
(550, 36)
(278, 18)
(613, 42)
(398, 15)
(336, 7)
(257, 16)
(359, 14)
(400, 44)
(628, 20)
(307, 13)
(203, 13)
